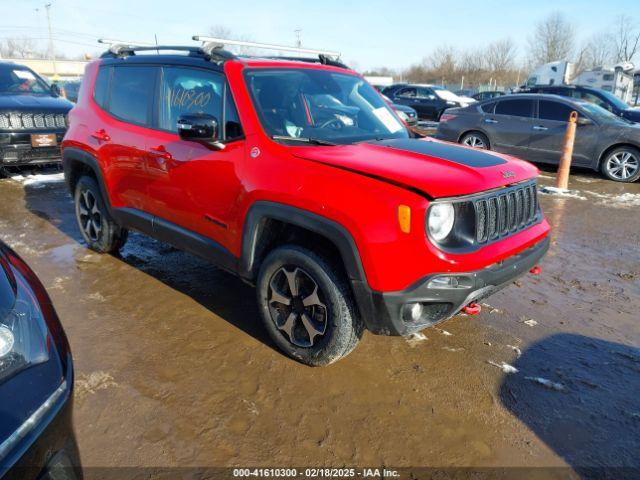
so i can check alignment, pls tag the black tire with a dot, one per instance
(98, 229)
(621, 164)
(342, 325)
(470, 139)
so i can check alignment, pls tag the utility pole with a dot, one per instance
(52, 51)
(298, 33)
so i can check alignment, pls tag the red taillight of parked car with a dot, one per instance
(445, 117)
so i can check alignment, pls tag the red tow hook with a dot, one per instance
(535, 270)
(472, 309)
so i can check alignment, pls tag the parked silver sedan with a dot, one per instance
(533, 127)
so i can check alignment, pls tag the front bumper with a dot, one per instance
(386, 314)
(16, 149)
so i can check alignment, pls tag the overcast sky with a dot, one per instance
(370, 33)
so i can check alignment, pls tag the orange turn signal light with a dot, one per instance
(404, 218)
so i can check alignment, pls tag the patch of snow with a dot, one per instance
(515, 349)
(452, 349)
(416, 338)
(547, 383)
(505, 367)
(39, 179)
(445, 333)
(531, 322)
(561, 192)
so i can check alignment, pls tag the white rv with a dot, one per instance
(617, 80)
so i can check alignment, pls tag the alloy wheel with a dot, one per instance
(473, 141)
(622, 165)
(296, 306)
(89, 215)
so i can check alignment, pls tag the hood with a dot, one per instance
(437, 169)
(35, 103)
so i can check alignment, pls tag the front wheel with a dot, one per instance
(98, 229)
(306, 306)
(622, 164)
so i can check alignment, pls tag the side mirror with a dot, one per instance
(55, 90)
(199, 127)
(584, 121)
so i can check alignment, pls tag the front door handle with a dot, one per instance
(540, 128)
(101, 135)
(490, 120)
(161, 152)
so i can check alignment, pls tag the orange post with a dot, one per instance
(562, 178)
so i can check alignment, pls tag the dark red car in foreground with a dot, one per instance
(297, 176)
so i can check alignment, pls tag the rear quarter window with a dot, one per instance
(488, 107)
(515, 108)
(100, 89)
(132, 93)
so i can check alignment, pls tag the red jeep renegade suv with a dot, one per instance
(297, 176)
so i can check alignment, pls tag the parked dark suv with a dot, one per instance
(428, 101)
(602, 98)
(33, 117)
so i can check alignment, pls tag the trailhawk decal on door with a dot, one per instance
(453, 153)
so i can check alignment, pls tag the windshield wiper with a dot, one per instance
(313, 141)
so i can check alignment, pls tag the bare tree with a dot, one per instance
(626, 38)
(220, 31)
(553, 39)
(597, 51)
(442, 63)
(22, 47)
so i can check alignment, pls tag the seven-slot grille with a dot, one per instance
(31, 121)
(506, 211)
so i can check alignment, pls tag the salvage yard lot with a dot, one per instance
(171, 357)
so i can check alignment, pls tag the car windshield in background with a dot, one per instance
(309, 104)
(600, 114)
(618, 103)
(20, 81)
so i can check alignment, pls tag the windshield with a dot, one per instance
(16, 80)
(601, 114)
(322, 105)
(615, 101)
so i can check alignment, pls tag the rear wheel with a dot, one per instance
(622, 164)
(98, 229)
(475, 140)
(307, 307)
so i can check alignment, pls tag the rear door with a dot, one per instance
(120, 138)
(428, 101)
(548, 132)
(509, 127)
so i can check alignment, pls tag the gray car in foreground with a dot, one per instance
(532, 126)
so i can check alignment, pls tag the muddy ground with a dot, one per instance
(174, 369)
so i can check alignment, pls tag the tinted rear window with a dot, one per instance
(554, 111)
(488, 107)
(132, 91)
(516, 108)
(100, 89)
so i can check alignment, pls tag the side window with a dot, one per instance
(424, 92)
(131, 93)
(407, 93)
(515, 108)
(554, 111)
(100, 88)
(188, 90)
(488, 107)
(232, 127)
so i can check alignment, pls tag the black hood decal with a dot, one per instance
(452, 153)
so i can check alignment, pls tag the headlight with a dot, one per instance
(23, 332)
(440, 220)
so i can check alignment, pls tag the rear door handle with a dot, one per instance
(540, 128)
(161, 152)
(101, 135)
(490, 120)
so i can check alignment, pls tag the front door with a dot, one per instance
(191, 185)
(548, 132)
